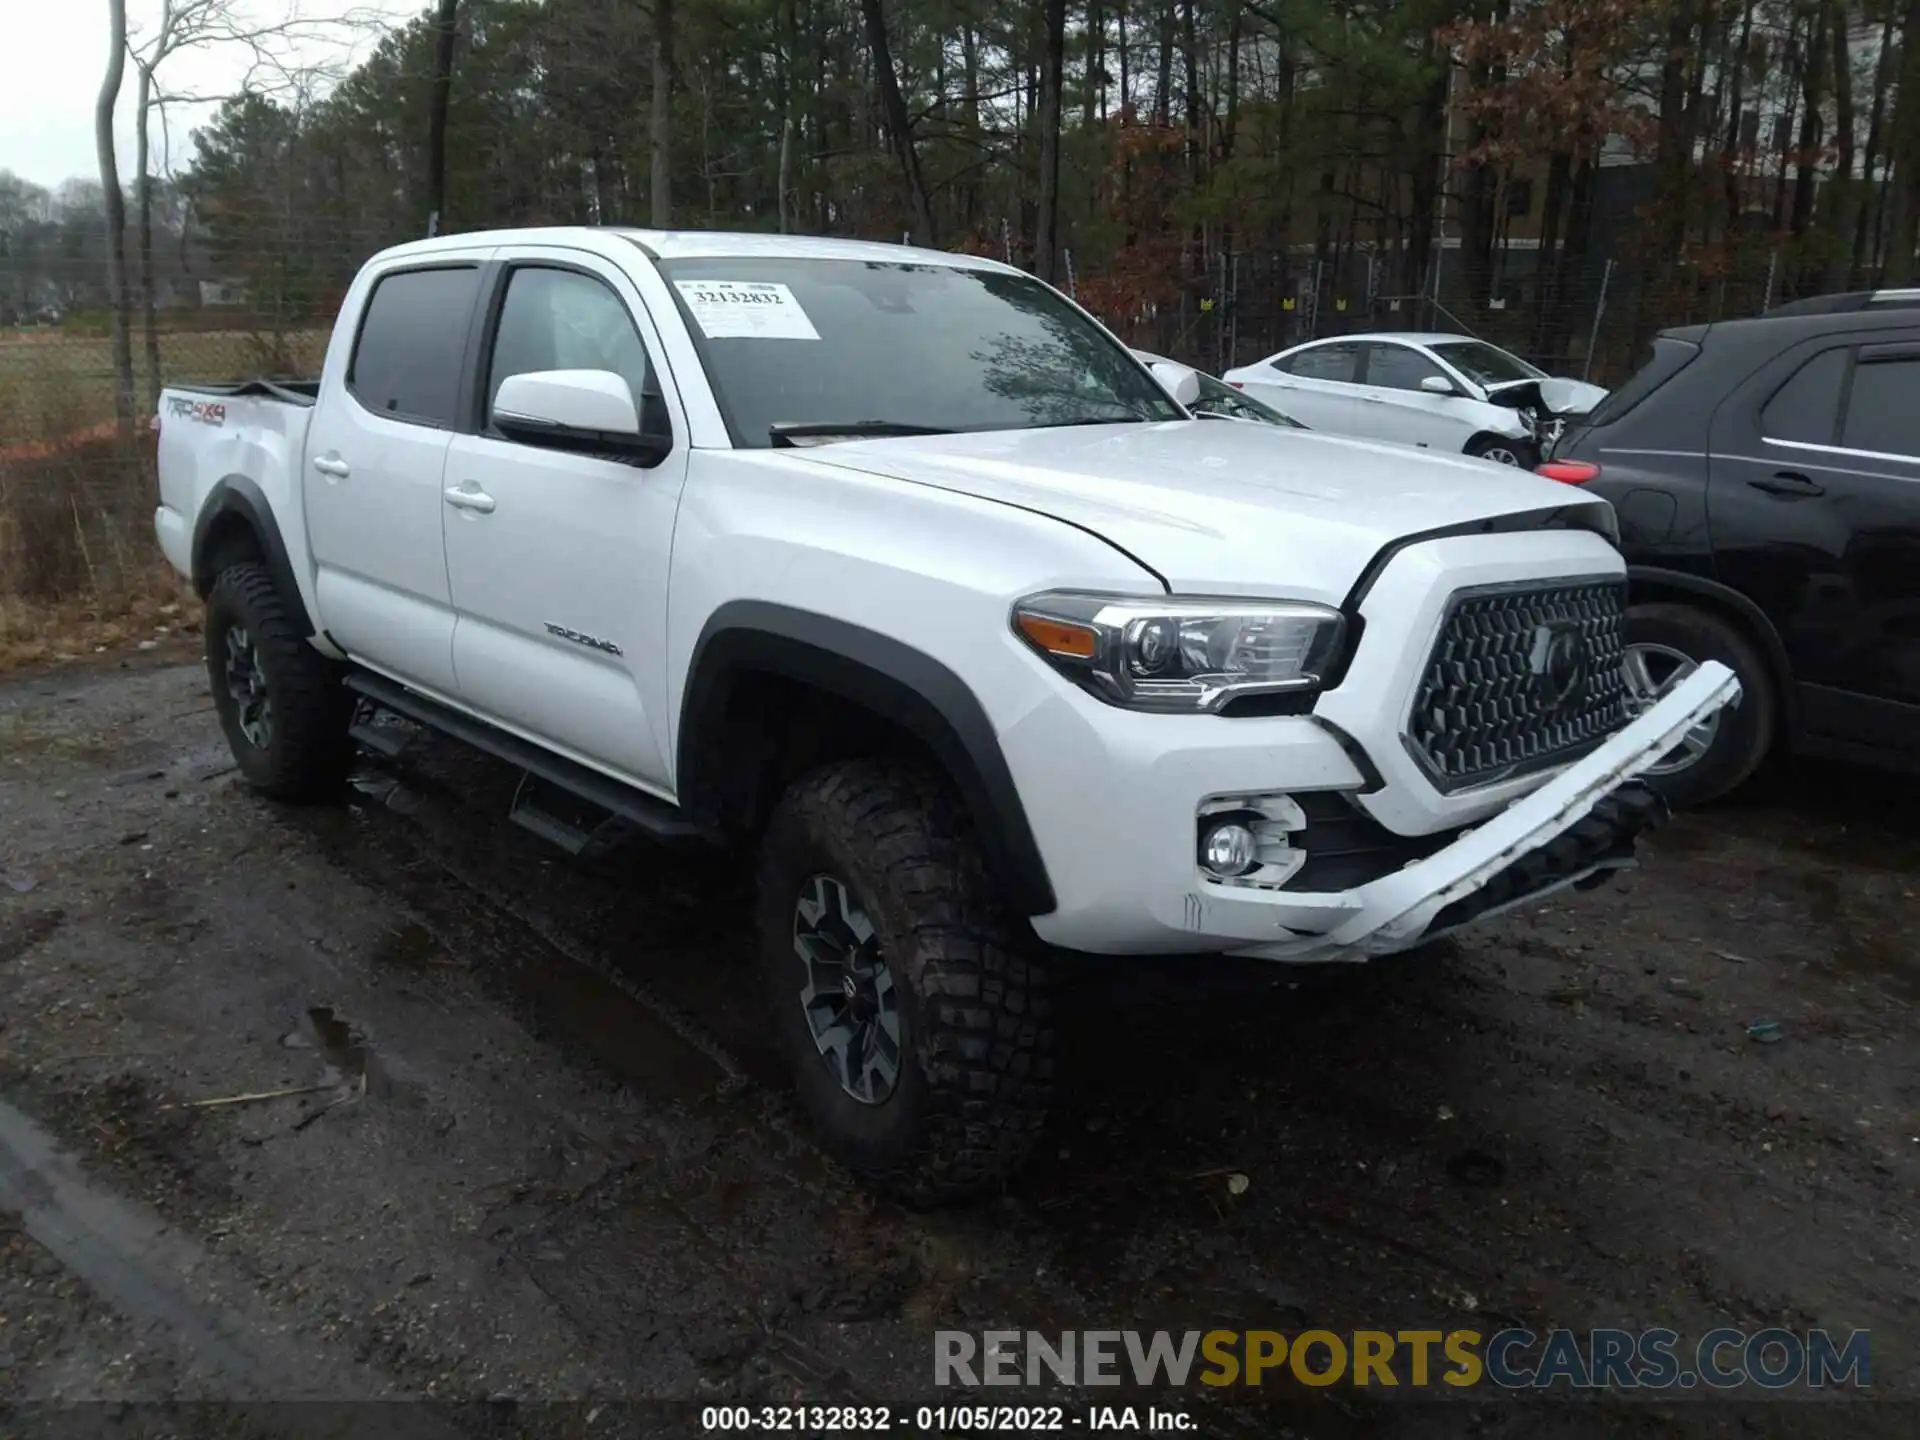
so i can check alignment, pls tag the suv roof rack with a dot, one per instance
(1851, 302)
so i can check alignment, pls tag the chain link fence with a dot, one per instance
(1591, 320)
(76, 495)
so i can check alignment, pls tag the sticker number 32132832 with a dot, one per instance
(745, 309)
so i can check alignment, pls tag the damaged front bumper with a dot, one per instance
(1575, 828)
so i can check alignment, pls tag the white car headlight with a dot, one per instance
(1178, 654)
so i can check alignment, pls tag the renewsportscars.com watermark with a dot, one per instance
(1514, 1359)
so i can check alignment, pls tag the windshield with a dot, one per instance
(1219, 398)
(802, 346)
(1484, 364)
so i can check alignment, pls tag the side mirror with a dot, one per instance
(1437, 385)
(1181, 382)
(590, 410)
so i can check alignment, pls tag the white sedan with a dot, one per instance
(1437, 392)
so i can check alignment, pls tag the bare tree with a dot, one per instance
(187, 25)
(115, 207)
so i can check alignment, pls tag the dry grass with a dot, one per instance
(54, 384)
(161, 614)
(80, 571)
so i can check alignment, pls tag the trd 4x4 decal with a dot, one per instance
(206, 412)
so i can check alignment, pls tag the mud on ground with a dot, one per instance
(532, 1144)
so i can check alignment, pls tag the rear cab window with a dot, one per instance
(413, 337)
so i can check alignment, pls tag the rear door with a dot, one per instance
(561, 586)
(374, 456)
(1815, 502)
(1392, 406)
(1314, 385)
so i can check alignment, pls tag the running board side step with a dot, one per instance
(655, 818)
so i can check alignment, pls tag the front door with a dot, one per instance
(560, 584)
(1392, 406)
(374, 455)
(1815, 512)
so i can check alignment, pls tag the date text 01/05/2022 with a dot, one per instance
(940, 1419)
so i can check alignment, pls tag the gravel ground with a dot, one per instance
(533, 1146)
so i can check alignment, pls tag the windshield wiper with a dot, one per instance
(789, 432)
(1130, 418)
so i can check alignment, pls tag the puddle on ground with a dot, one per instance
(589, 1011)
(563, 999)
(342, 1046)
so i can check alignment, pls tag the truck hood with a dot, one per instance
(1221, 509)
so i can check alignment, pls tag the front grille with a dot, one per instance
(1523, 677)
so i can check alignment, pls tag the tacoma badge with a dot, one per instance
(592, 642)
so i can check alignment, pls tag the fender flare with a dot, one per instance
(239, 497)
(900, 684)
(1751, 615)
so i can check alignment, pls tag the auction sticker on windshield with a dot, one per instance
(745, 309)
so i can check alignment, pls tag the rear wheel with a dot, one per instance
(910, 1005)
(1666, 644)
(281, 704)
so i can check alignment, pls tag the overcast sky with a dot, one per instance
(60, 53)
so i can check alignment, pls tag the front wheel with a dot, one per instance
(1666, 644)
(1517, 453)
(910, 1005)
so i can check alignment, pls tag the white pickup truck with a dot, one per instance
(896, 568)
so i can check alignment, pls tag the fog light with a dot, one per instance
(1228, 849)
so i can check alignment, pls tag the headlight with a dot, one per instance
(1181, 655)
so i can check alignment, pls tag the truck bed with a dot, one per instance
(293, 390)
(245, 440)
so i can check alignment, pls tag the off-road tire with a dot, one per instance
(977, 1043)
(1747, 729)
(308, 751)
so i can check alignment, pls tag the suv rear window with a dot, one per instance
(1881, 415)
(406, 358)
(1669, 358)
(1807, 407)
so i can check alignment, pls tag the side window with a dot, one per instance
(1323, 362)
(562, 320)
(1807, 408)
(413, 337)
(1883, 407)
(1395, 367)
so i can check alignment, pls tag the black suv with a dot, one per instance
(1767, 477)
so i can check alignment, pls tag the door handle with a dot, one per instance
(470, 497)
(332, 465)
(1374, 399)
(1788, 485)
